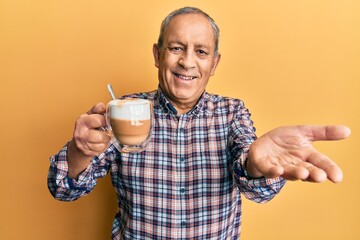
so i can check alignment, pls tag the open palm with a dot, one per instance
(288, 152)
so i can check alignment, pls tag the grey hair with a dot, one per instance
(187, 10)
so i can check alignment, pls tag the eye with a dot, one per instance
(202, 52)
(175, 49)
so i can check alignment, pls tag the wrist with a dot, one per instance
(77, 160)
(251, 170)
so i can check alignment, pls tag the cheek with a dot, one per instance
(206, 69)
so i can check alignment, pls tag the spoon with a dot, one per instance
(111, 91)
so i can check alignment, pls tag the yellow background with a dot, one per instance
(292, 62)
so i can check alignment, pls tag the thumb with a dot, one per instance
(331, 132)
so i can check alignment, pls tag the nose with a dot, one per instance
(187, 60)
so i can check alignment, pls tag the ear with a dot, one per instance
(156, 53)
(215, 63)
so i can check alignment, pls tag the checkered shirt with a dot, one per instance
(188, 182)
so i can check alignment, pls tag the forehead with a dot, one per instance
(190, 28)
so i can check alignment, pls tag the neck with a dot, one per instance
(182, 108)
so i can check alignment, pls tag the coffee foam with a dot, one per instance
(134, 110)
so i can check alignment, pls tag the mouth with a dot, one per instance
(184, 77)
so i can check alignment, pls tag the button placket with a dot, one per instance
(181, 153)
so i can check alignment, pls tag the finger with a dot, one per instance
(86, 137)
(315, 174)
(91, 149)
(323, 162)
(316, 133)
(98, 108)
(93, 142)
(91, 121)
(96, 148)
(269, 168)
(97, 137)
(295, 172)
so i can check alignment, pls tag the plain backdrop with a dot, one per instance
(292, 62)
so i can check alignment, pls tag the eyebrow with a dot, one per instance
(196, 46)
(176, 42)
(202, 46)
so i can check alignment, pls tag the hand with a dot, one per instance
(288, 152)
(88, 141)
(87, 137)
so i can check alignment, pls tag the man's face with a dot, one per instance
(186, 60)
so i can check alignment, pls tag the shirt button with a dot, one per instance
(182, 159)
(182, 130)
(182, 190)
(183, 223)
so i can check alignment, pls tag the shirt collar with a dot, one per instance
(169, 108)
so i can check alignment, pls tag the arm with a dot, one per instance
(74, 170)
(241, 137)
(65, 188)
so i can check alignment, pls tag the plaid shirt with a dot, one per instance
(187, 183)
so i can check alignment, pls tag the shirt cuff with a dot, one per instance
(241, 170)
(82, 182)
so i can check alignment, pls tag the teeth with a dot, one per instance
(184, 77)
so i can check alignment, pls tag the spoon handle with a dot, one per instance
(109, 87)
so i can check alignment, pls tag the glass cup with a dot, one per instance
(130, 123)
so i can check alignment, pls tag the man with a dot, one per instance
(203, 152)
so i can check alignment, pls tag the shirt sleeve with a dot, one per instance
(241, 136)
(259, 190)
(64, 188)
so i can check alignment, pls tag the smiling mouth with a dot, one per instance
(183, 77)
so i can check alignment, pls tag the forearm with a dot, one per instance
(258, 189)
(61, 185)
(77, 161)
